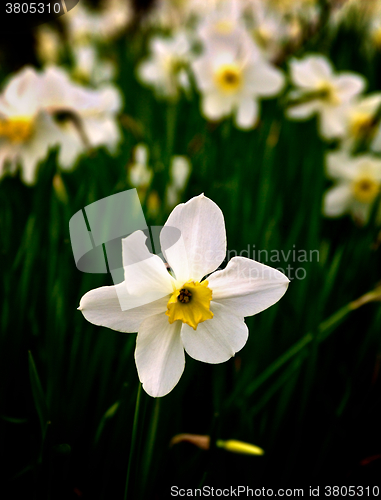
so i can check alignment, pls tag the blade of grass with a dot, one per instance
(38, 397)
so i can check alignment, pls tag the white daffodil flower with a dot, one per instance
(48, 45)
(224, 20)
(26, 131)
(41, 110)
(362, 122)
(164, 70)
(232, 75)
(271, 28)
(139, 173)
(188, 308)
(322, 91)
(173, 14)
(84, 24)
(358, 183)
(179, 172)
(85, 118)
(89, 68)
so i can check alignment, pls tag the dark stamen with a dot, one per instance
(184, 296)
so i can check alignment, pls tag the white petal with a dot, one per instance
(148, 72)
(349, 85)
(57, 89)
(36, 148)
(101, 131)
(203, 73)
(332, 122)
(110, 100)
(22, 93)
(341, 166)
(218, 339)
(310, 71)
(264, 79)
(145, 273)
(215, 106)
(247, 113)
(376, 143)
(141, 154)
(71, 146)
(337, 200)
(302, 111)
(180, 170)
(247, 287)
(361, 211)
(202, 244)
(103, 307)
(159, 355)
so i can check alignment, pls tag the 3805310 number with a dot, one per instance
(351, 491)
(33, 8)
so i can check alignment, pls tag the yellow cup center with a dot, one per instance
(362, 125)
(190, 304)
(327, 93)
(16, 129)
(228, 78)
(365, 189)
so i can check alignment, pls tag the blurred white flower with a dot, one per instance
(26, 131)
(322, 91)
(48, 45)
(86, 118)
(358, 183)
(85, 24)
(363, 123)
(89, 68)
(81, 24)
(179, 172)
(270, 28)
(232, 75)
(173, 14)
(353, 11)
(183, 310)
(165, 68)
(139, 173)
(41, 110)
(115, 16)
(224, 21)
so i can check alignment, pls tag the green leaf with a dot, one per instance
(38, 396)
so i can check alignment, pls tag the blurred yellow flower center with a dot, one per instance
(190, 304)
(172, 64)
(327, 93)
(365, 189)
(224, 26)
(16, 129)
(262, 36)
(376, 36)
(362, 125)
(228, 78)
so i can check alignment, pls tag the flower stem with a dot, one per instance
(150, 445)
(133, 440)
(171, 120)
